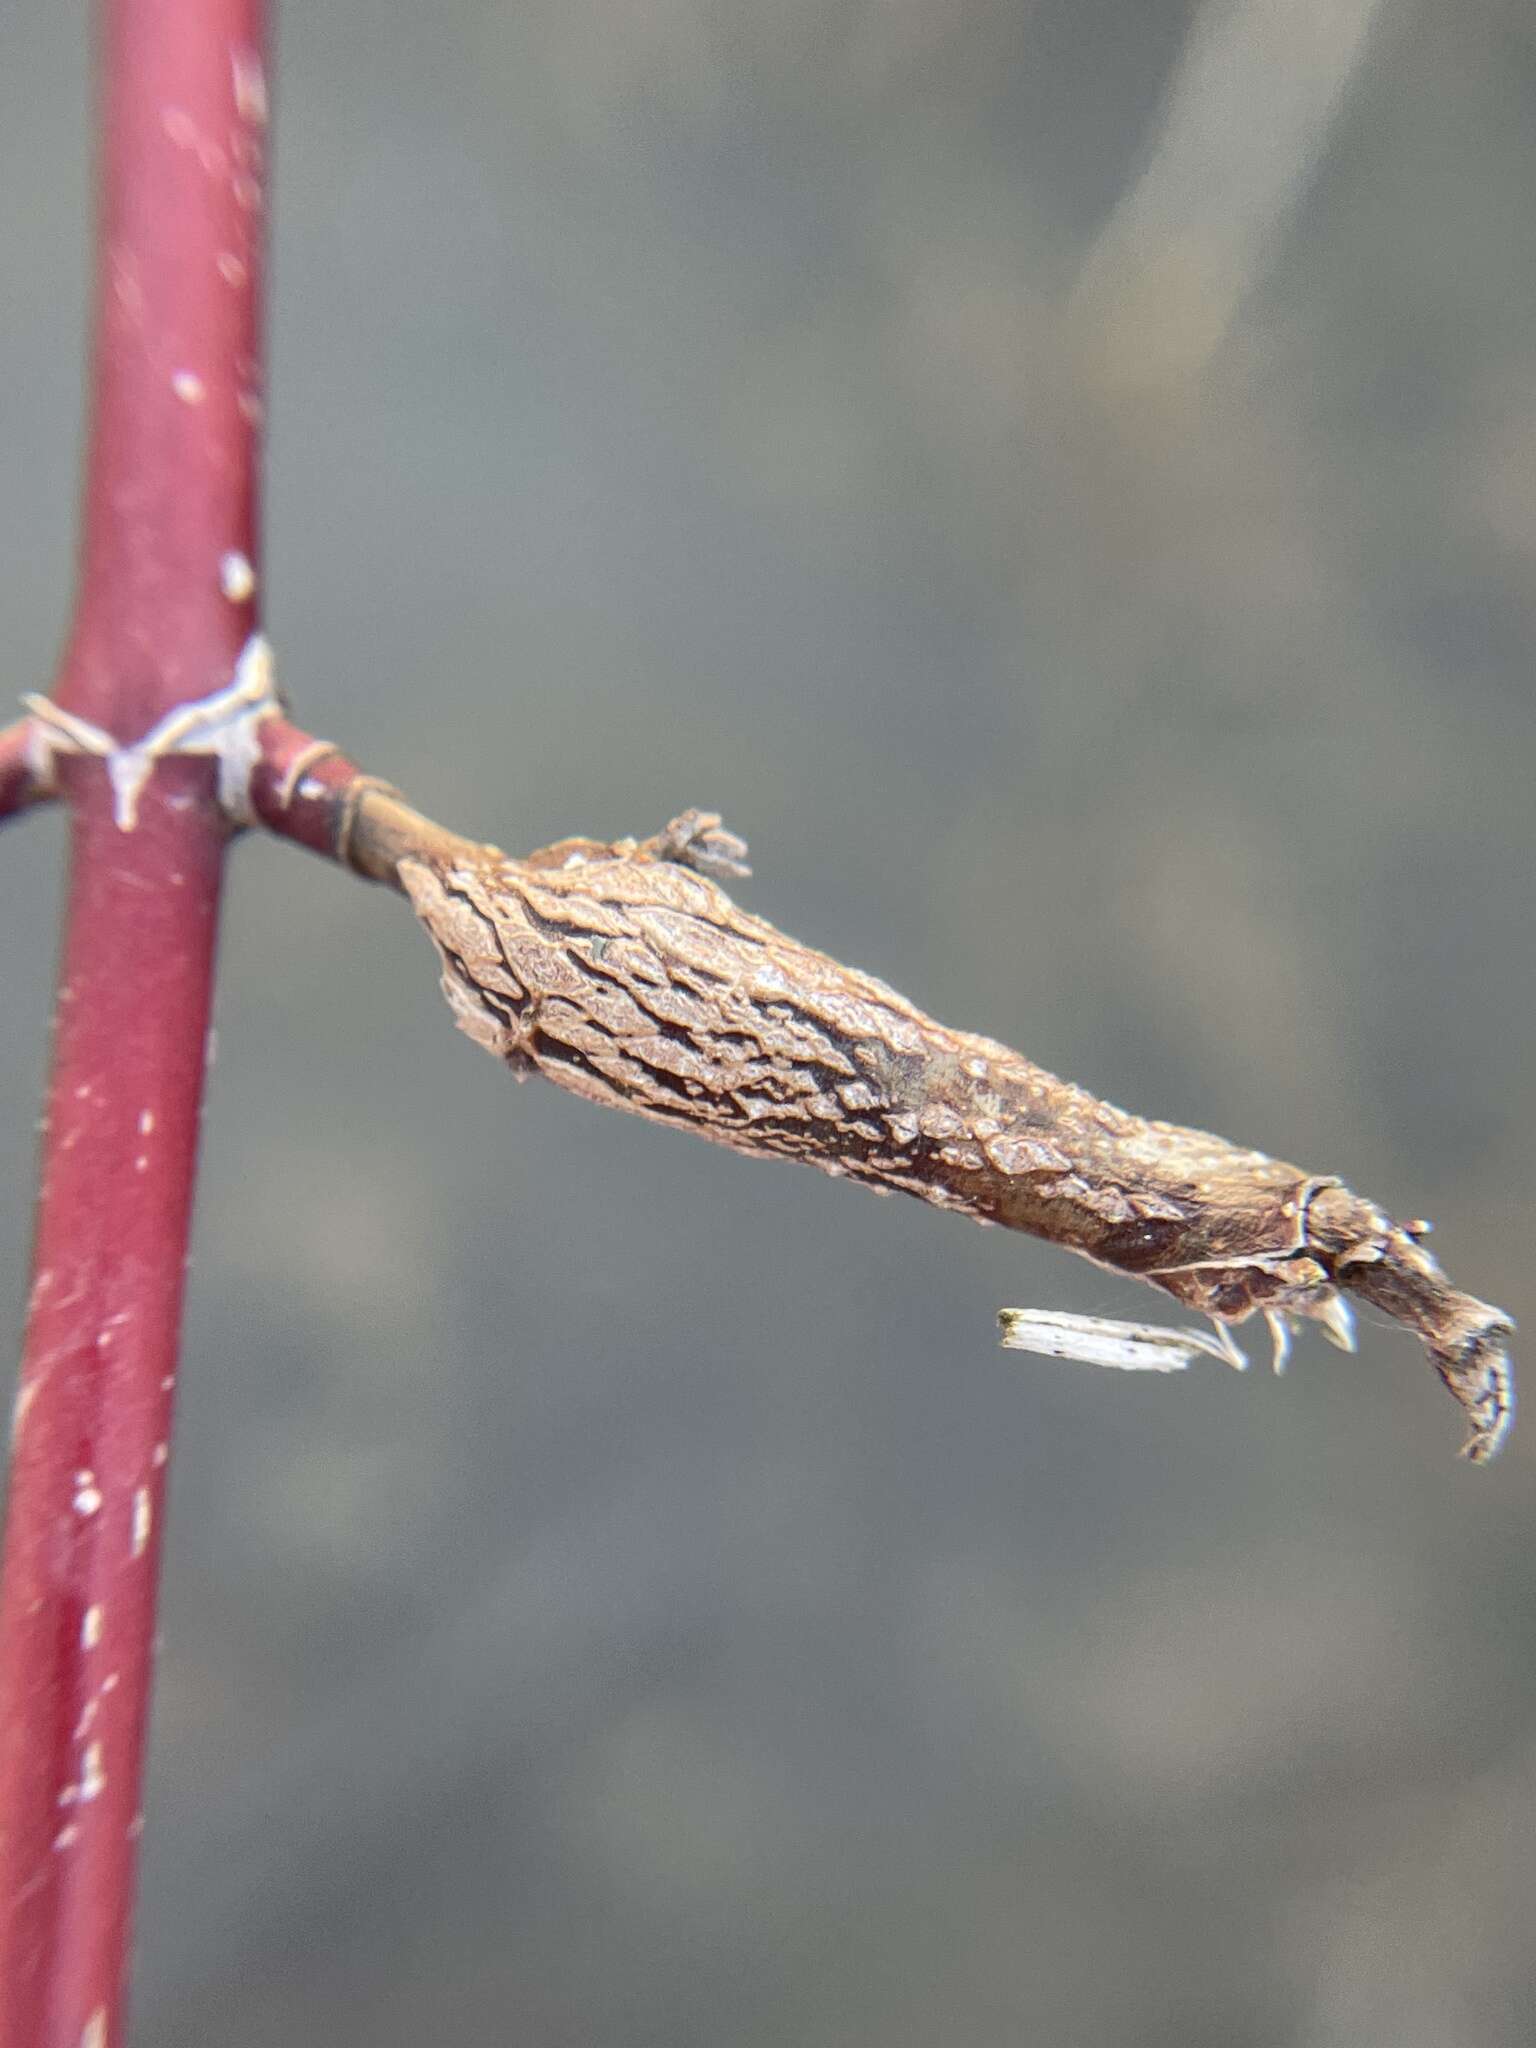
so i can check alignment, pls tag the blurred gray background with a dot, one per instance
(1061, 478)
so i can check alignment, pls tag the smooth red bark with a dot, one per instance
(94, 1402)
(300, 786)
(166, 603)
(177, 384)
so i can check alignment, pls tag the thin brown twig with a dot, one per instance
(20, 782)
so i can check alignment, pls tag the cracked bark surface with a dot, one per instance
(624, 973)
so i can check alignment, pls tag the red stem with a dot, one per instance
(171, 490)
(300, 786)
(165, 607)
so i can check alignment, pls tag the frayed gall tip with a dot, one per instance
(1478, 1375)
(1477, 1372)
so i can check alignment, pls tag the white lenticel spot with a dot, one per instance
(237, 579)
(93, 1779)
(90, 1628)
(250, 87)
(143, 1520)
(189, 387)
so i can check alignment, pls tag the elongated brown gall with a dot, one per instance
(626, 975)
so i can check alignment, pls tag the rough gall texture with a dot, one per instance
(625, 974)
